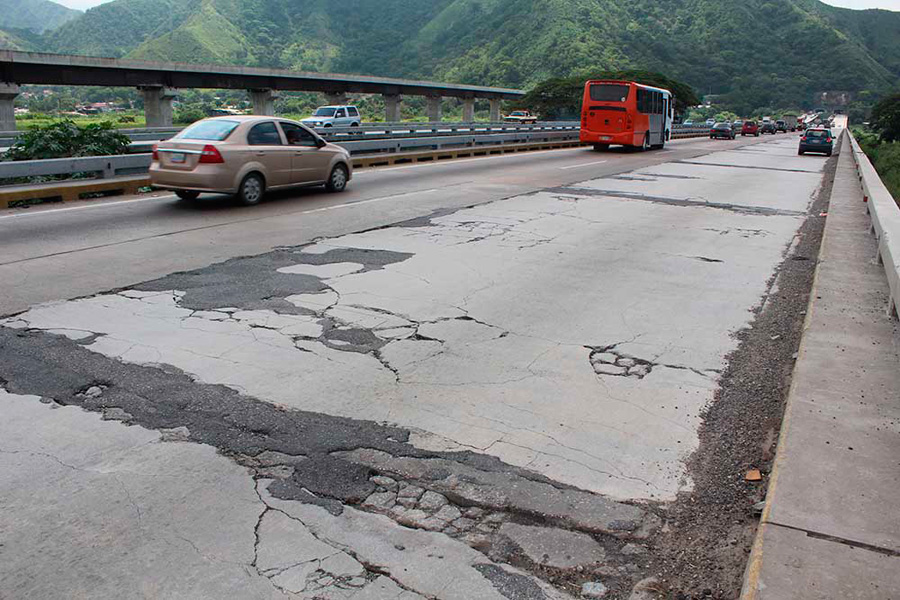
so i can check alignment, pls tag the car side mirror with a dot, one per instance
(320, 143)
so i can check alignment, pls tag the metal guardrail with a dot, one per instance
(106, 167)
(885, 216)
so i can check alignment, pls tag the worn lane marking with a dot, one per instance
(70, 208)
(217, 225)
(599, 162)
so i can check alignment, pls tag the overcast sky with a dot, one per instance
(889, 4)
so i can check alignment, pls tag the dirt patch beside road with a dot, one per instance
(711, 530)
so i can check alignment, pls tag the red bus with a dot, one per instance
(626, 113)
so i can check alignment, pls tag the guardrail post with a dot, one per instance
(495, 110)
(8, 93)
(263, 101)
(392, 108)
(469, 110)
(158, 105)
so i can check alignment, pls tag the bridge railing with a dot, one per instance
(885, 214)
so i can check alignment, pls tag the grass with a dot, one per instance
(32, 121)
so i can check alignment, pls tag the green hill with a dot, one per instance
(756, 52)
(35, 15)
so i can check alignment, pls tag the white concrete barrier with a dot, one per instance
(885, 216)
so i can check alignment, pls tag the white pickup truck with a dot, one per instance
(520, 116)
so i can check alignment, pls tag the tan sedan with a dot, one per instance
(247, 155)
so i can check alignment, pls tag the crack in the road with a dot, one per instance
(737, 208)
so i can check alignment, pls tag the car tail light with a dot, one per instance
(828, 140)
(628, 122)
(155, 152)
(803, 138)
(210, 155)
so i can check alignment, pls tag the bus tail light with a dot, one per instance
(155, 152)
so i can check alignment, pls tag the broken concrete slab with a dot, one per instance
(555, 548)
(468, 486)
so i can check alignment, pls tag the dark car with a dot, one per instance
(750, 128)
(721, 130)
(736, 126)
(816, 139)
(781, 126)
(767, 127)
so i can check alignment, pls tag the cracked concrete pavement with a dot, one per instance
(395, 408)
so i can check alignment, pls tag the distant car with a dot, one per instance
(520, 116)
(750, 128)
(688, 123)
(816, 139)
(721, 130)
(334, 116)
(736, 125)
(780, 126)
(710, 122)
(767, 127)
(247, 155)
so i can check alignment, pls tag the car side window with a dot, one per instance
(341, 113)
(298, 136)
(264, 134)
(353, 111)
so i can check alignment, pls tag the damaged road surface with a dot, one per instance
(490, 402)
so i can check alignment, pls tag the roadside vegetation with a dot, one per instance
(881, 142)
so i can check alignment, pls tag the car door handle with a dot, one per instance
(260, 153)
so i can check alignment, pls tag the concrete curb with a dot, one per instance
(885, 220)
(822, 534)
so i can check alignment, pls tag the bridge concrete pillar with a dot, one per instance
(392, 108)
(158, 105)
(495, 110)
(433, 108)
(8, 93)
(469, 110)
(336, 98)
(263, 101)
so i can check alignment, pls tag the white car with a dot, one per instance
(334, 116)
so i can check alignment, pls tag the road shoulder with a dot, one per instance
(828, 530)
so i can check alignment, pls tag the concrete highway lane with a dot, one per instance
(481, 382)
(53, 253)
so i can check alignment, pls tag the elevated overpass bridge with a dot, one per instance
(555, 374)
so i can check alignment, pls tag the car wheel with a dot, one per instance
(327, 124)
(337, 181)
(646, 145)
(252, 189)
(601, 147)
(800, 152)
(187, 194)
(354, 124)
(828, 154)
(756, 135)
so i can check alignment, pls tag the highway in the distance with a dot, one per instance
(64, 251)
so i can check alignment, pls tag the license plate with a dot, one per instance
(606, 138)
(815, 141)
(178, 157)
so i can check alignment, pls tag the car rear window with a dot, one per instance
(609, 92)
(214, 131)
(818, 133)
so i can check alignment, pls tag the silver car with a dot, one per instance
(334, 116)
(247, 155)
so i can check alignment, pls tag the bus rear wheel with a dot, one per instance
(601, 147)
(646, 145)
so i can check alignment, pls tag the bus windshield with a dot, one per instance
(609, 92)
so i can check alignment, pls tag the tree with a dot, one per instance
(886, 118)
(561, 96)
(65, 139)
